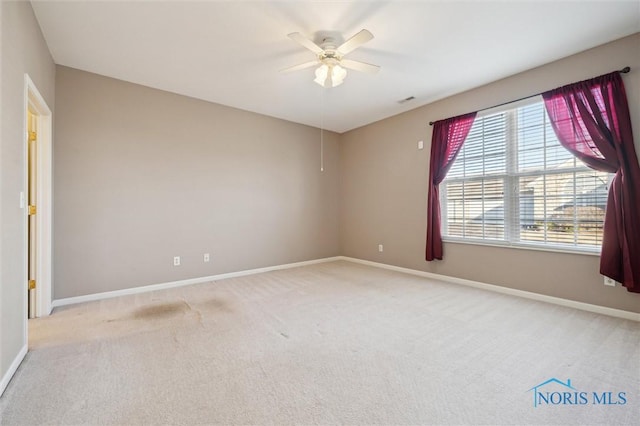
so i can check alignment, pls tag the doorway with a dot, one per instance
(32, 229)
(36, 201)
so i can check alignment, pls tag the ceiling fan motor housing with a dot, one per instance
(330, 52)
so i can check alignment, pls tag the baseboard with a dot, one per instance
(181, 283)
(618, 313)
(12, 369)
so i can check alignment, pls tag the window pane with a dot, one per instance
(564, 208)
(531, 138)
(556, 154)
(538, 146)
(475, 209)
(484, 151)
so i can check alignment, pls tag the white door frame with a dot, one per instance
(33, 100)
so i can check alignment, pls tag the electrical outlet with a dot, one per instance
(206, 257)
(176, 261)
(380, 248)
(610, 282)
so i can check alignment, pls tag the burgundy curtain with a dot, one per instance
(591, 119)
(446, 141)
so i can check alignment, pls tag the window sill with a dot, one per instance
(522, 246)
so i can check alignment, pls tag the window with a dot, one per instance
(514, 184)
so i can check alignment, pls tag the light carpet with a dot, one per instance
(333, 343)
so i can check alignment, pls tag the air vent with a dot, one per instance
(410, 98)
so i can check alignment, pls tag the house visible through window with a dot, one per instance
(514, 184)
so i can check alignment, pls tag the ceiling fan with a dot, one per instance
(331, 71)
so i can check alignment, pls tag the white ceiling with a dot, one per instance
(230, 52)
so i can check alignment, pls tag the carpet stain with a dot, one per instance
(161, 311)
(216, 304)
(196, 312)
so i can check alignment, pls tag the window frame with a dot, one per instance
(511, 176)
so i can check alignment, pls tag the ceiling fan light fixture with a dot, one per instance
(338, 75)
(321, 74)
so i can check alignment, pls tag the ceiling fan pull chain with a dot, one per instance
(322, 131)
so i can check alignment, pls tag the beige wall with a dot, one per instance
(142, 175)
(23, 50)
(384, 188)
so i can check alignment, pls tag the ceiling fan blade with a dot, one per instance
(299, 67)
(360, 66)
(305, 42)
(361, 38)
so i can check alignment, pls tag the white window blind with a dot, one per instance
(514, 184)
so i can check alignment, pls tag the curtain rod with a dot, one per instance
(622, 71)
